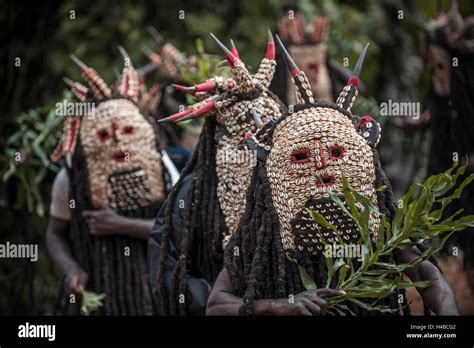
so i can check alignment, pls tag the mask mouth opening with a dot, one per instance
(325, 180)
(120, 156)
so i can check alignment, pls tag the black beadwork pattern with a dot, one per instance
(310, 237)
(127, 190)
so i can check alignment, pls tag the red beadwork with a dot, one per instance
(301, 155)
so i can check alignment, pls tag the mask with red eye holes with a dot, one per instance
(127, 130)
(103, 135)
(122, 158)
(311, 149)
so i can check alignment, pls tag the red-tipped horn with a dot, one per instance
(176, 117)
(270, 53)
(129, 85)
(98, 85)
(202, 87)
(303, 88)
(205, 109)
(191, 113)
(78, 89)
(233, 49)
(229, 56)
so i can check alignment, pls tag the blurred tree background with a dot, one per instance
(38, 38)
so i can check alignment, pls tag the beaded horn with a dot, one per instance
(241, 75)
(97, 84)
(78, 89)
(304, 95)
(128, 88)
(129, 83)
(350, 91)
(242, 82)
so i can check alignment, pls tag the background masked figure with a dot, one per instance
(301, 160)
(205, 206)
(307, 45)
(104, 200)
(170, 61)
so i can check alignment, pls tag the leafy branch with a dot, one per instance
(26, 156)
(418, 219)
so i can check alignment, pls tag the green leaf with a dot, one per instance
(308, 283)
(416, 222)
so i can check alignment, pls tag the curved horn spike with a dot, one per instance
(129, 83)
(125, 55)
(146, 50)
(350, 91)
(256, 117)
(229, 56)
(78, 62)
(266, 70)
(360, 61)
(241, 75)
(220, 44)
(98, 85)
(201, 87)
(117, 74)
(68, 81)
(202, 110)
(160, 40)
(270, 53)
(233, 49)
(191, 113)
(290, 63)
(222, 63)
(176, 116)
(304, 94)
(78, 89)
(454, 9)
(183, 89)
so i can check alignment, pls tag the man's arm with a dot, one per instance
(439, 297)
(60, 251)
(106, 222)
(222, 301)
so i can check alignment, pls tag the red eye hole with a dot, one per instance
(336, 152)
(127, 129)
(300, 155)
(103, 135)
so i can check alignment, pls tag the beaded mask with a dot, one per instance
(308, 152)
(123, 164)
(233, 101)
(308, 49)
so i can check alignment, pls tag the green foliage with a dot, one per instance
(91, 302)
(26, 156)
(44, 35)
(207, 67)
(418, 219)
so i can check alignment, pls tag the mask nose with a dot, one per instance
(115, 128)
(320, 157)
